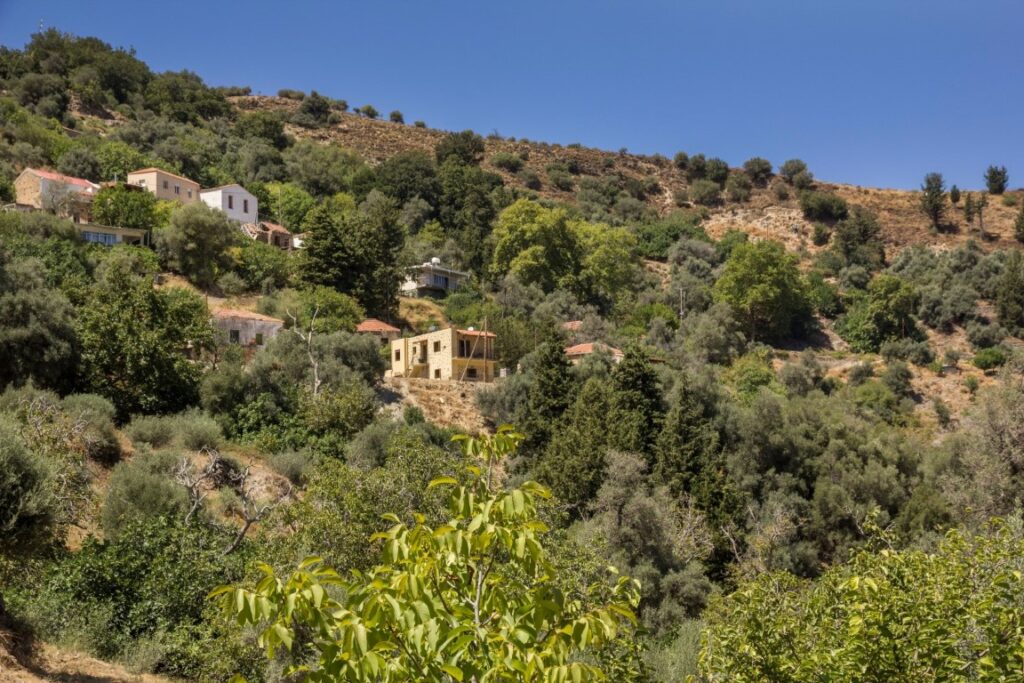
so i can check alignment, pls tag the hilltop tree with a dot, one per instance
(933, 198)
(764, 287)
(996, 179)
(467, 147)
(681, 161)
(791, 169)
(969, 209)
(954, 195)
(759, 170)
(314, 110)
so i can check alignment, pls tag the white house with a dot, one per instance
(234, 200)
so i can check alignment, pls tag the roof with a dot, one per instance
(572, 325)
(151, 169)
(248, 315)
(66, 179)
(374, 325)
(274, 227)
(437, 266)
(224, 187)
(477, 333)
(589, 348)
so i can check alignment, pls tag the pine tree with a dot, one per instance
(1018, 225)
(969, 209)
(636, 415)
(686, 447)
(574, 463)
(1010, 293)
(549, 395)
(996, 179)
(933, 198)
(979, 210)
(954, 195)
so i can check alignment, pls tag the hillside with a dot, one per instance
(763, 216)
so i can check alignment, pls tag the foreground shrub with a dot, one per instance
(143, 488)
(902, 617)
(154, 430)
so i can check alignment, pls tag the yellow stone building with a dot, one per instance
(451, 354)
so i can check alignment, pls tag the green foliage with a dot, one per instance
(143, 489)
(466, 147)
(376, 631)
(933, 198)
(321, 170)
(704, 192)
(758, 170)
(655, 239)
(857, 240)
(27, 508)
(1009, 294)
(996, 179)
(951, 614)
(507, 161)
(987, 359)
(261, 267)
(954, 195)
(313, 111)
(763, 285)
(368, 110)
(885, 313)
(124, 207)
(408, 175)
(738, 187)
(262, 125)
(155, 430)
(823, 206)
(1018, 225)
(791, 170)
(197, 242)
(182, 96)
(549, 394)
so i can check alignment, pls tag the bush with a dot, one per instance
(916, 352)
(738, 188)
(822, 206)
(419, 124)
(791, 169)
(996, 179)
(507, 161)
(717, 171)
(96, 414)
(143, 488)
(196, 430)
(821, 234)
(290, 94)
(780, 191)
(758, 170)
(530, 178)
(985, 335)
(292, 465)
(803, 180)
(231, 284)
(860, 373)
(897, 378)
(27, 506)
(989, 358)
(154, 430)
(369, 111)
(704, 192)
(560, 179)
(396, 117)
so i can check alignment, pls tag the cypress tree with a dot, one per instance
(954, 195)
(933, 198)
(686, 448)
(636, 414)
(549, 395)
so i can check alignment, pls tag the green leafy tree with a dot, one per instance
(197, 243)
(969, 209)
(472, 600)
(182, 96)
(291, 204)
(792, 169)
(996, 179)
(933, 198)
(466, 147)
(314, 110)
(135, 340)
(758, 170)
(262, 125)
(952, 614)
(468, 205)
(887, 312)
(536, 244)
(124, 207)
(408, 175)
(764, 287)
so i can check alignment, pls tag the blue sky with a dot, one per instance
(875, 92)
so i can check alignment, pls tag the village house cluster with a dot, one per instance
(449, 354)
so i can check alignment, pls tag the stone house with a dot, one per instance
(269, 233)
(234, 200)
(450, 354)
(578, 352)
(251, 330)
(165, 185)
(63, 195)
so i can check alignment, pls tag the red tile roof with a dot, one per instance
(248, 315)
(589, 348)
(374, 325)
(477, 333)
(57, 177)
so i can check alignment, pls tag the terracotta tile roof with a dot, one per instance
(477, 333)
(572, 325)
(274, 227)
(374, 325)
(248, 315)
(150, 169)
(66, 179)
(589, 348)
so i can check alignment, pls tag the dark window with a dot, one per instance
(437, 347)
(259, 339)
(231, 202)
(233, 336)
(471, 373)
(245, 205)
(177, 189)
(398, 355)
(437, 373)
(165, 185)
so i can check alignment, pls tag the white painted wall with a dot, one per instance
(233, 200)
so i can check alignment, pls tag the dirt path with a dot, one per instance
(48, 663)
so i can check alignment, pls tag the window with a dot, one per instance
(233, 336)
(231, 201)
(245, 205)
(259, 339)
(142, 182)
(190, 194)
(99, 238)
(398, 355)
(471, 373)
(165, 184)
(437, 373)
(437, 347)
(463, 348)
(177, 189)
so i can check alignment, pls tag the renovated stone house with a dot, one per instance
(63, 195)
(165, 185)
(450, 354)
